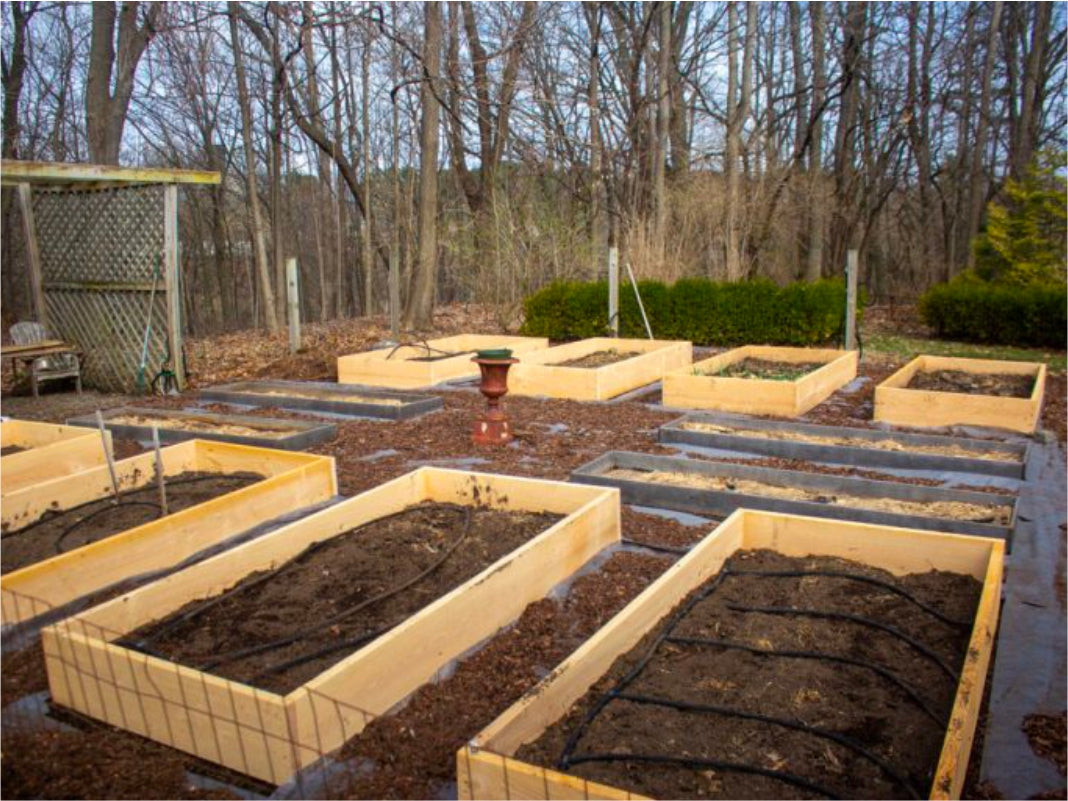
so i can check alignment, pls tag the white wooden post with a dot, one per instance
(293, 301)
(33, 253)
(172, 283)
(613, 290)
(851, 300)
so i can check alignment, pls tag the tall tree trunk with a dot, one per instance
(368, 251)
(663, 126)
(976, 188)
(814, 264)
(106, 107)
(737, 111)
(1025, 138)
(846, 134)
(420, 309)
(259, 238)
(598, 230)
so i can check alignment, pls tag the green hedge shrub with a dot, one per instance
(695, 309)
(973, 310)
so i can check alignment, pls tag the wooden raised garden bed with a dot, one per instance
(761, 379)
(35, 452)
(178, 426)
(290, 481)
(859, 447)
(709, 655)
(101, 662)
(317, 396)
(428, 363)
(945, 391)
(597, 369)
(718, 488)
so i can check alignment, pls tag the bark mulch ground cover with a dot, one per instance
(1004, 385)
(278, 629)
(767, 369)
(599, 358)
(715, 690)
(59, 532)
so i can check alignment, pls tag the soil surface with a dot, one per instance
(995, 513)
(1004, 385)
(11, 449)
(599, 358)
(338, 595)
(846, 700)
(59, 532)
(201, 425)
(767, 369)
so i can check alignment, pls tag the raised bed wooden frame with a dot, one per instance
(898, 405)
(486, 767)
(294, 481)
(321, 396)
(702, 501)
(539, 373)
(391, 367)
(742, 435)
(268, 735)
(687, 389)
(50, 450)
(303, 433)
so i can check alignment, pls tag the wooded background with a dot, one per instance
(490, 148)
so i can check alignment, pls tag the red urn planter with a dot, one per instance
(492, 427)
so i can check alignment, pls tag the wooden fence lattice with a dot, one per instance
(100, 252)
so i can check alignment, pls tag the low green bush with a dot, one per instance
(695, 309)
(970, 309)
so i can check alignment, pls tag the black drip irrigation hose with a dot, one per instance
(617, 692)
(422, 343)
(886, 585)
(52, 515)
(676, 550)
(281, 642)
(835, 737)
(843, 660)
(67, 531)
(711, 764)
(352, 642)
(859, 619)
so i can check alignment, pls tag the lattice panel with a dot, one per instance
(99, 254)
(112, 235)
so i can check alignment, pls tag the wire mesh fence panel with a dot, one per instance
(102, 250)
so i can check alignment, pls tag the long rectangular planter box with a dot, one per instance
(429, 363)
(48, 450)
(293, 481)
(270, 736)
(895, 403)
(290, 435)
(697, 388)
(700, 501)
(540, 373)
(744, 435)
(321, 396)
(487, 768)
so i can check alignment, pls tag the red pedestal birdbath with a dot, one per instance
(492, 427)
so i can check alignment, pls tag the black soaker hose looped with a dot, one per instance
(833, 736)
(886, 585)
(844, 660)
(710, 764)
(63, 535)
(326, 623)
(859, 619)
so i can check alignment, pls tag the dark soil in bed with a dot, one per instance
(599, 358)
(768, 370)
(11, 449)
(1004, 385)
(334, 597)
(59, 532)
(845, 700)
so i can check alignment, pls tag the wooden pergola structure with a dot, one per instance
(102, 247)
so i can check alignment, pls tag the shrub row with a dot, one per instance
(973, 310)
(695, 309)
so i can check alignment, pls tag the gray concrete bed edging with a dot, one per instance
(251, 393)
(1012, 466)
(701, 501)
(304, 434)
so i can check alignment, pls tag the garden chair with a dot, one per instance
(46, 368)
